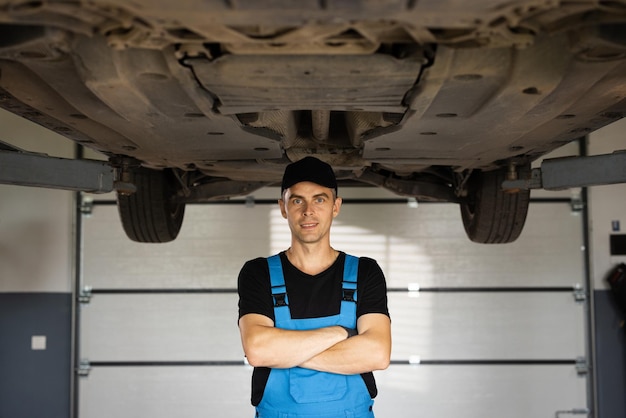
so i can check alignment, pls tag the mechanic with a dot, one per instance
(314, 321)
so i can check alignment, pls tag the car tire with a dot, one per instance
(491, 215)
(149, 214)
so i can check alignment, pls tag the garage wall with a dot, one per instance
(35, 224)
(35, 285)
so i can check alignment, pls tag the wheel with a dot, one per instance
(149, 214)
(491, 215)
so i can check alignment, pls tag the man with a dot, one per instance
(314, 321)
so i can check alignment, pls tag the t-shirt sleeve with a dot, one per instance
(372, 288)
(253, 286)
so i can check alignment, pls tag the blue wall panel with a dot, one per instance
(35, 383)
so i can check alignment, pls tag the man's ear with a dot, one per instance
(281, 204)
(337, 206)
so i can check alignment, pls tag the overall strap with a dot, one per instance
(350, 270)
(349, 297)
(279, 290)
(281, 300)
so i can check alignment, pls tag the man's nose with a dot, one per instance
(307, 210)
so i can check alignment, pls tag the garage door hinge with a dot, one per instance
(575, 411)
(582, 368)
(579, 294)
(85, 295)
(83, 368)
(86, 206)
(577, 204)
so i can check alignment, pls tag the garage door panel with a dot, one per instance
(460, 325)
(162, 327)
(212, 246)
(166, 392)
(428, 246)
(404, 391)
(478, 391)
(432, 326)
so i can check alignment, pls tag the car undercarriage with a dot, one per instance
(202, 100)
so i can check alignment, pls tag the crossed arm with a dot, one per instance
(324, 349)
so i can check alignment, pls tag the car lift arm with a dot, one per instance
(567, 172)
(19, 167)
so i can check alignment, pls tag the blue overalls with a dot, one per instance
(299, 392)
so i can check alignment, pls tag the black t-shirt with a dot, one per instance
(309, 298)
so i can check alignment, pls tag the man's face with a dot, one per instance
(309, 209)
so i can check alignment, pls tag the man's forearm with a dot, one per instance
(368, 351)
(356, 355)
(266, 346)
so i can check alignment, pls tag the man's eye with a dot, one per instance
(297, 201)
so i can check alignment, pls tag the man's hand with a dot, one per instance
(351, 331)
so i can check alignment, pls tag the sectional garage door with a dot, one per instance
(478, 330)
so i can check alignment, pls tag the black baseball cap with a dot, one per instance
(309, 169)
